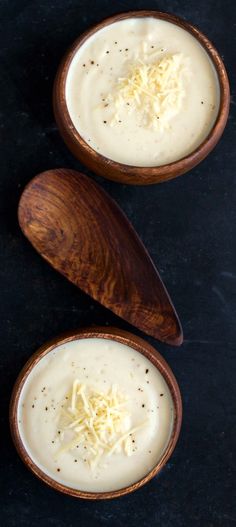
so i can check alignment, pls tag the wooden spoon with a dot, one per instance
(85, 236)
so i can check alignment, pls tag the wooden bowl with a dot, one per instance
(132, 174)
(125, 338)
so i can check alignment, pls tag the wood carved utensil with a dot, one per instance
(85, 236)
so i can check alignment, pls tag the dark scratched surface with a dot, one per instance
(189, 227)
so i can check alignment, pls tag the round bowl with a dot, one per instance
(125, 338)
(134, 175)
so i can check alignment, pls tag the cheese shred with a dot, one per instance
(155, 90)
(95, 423)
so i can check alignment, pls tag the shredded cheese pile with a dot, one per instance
(96, 422)
(156, 90)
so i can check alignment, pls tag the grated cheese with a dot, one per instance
(155, 90)
(95, 421)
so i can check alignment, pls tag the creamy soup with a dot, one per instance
(95, 415)
(142, 92)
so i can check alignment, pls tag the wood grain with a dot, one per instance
(131, 174)
(85, 236)
(125, 338)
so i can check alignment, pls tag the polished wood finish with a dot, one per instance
(85, 236)
(131, 174)
(125, 338)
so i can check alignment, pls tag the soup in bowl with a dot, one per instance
(141, 97)
(96, 414)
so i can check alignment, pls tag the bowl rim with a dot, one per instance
(164, 172)
(123, 337)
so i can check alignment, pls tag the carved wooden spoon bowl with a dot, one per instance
(85, 236)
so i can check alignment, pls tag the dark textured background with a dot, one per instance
(189, 227)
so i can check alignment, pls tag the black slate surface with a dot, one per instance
(188, 225)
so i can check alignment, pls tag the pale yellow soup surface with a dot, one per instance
(105, 57)
(98, 363)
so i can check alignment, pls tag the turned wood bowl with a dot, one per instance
(119, 172)
(123, 337)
